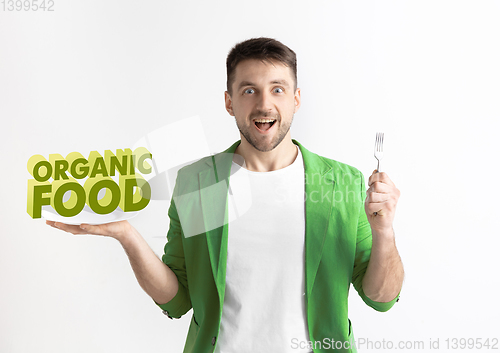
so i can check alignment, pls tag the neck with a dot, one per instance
(280, 157)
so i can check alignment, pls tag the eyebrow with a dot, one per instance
(274, 82)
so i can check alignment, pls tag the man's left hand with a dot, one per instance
(381, 197)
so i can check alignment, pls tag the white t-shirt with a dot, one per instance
(264, 304)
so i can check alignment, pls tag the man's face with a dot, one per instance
(263, 91)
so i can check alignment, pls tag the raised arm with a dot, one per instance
(384, 275)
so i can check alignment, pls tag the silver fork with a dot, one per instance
(379, 152)
(379, 148)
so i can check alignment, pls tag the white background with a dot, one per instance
(96, 75)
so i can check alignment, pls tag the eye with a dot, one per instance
(249, 91)
(278, 90)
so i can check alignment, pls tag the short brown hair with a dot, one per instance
(264, 49)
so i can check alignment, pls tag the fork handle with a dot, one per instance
(378, 171)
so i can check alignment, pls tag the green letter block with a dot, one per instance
(98, 165)
(60, 166)
(118, 162)
(35, 197)
(140, 155)
(134, 201)
(75, 159)
(76, 202)
(35, 163)
(111, 198)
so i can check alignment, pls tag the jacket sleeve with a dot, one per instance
(174, 259)
(362, 257)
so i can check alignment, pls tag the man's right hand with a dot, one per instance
(115, 230)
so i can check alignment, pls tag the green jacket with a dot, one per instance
(338, 243)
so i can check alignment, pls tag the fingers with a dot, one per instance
(382, 195)
(379, 192)
(75, 228)
(379, 187)
(381, 202)
(70, 228)
(374, 197)
(91, 229)
(379, 177)
(113, 229)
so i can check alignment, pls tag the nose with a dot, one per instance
(265, 102)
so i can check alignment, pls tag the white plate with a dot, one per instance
(87, 216)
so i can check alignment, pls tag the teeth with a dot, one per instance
(264, 120)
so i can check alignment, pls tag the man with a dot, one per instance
(276, 277)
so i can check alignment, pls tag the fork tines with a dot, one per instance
(379, 148)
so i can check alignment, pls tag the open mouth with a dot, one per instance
(264, 124)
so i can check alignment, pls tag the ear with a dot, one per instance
(229, 103)
(297, 100)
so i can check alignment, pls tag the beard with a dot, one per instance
(262, 143)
